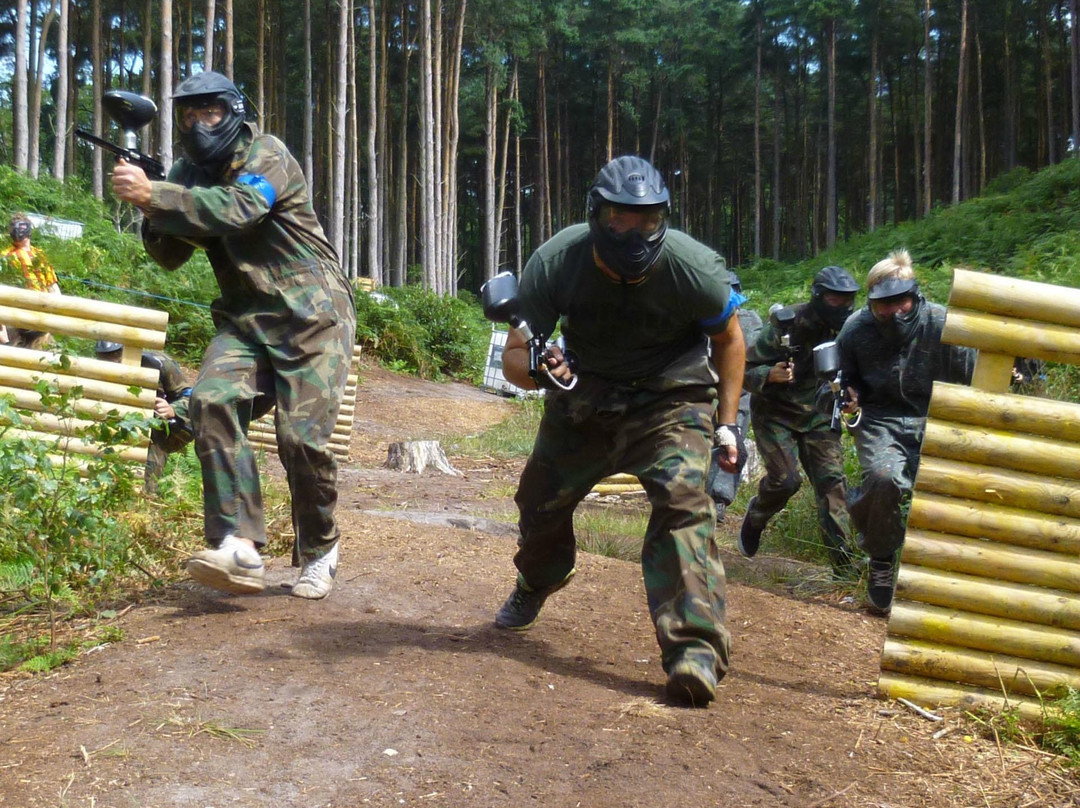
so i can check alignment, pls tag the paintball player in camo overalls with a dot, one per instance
(170, 406)
(724, 485)
(788, 428)
(285, 327)
(890, 356)
(639, 305)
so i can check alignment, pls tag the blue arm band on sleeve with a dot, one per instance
(733, 303)
(260, 184)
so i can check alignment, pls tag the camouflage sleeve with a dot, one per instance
(219, 210)
(761, 355)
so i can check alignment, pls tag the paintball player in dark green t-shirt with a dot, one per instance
(638, 305)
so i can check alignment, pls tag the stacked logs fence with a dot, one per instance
(125, 387)
(987, 606)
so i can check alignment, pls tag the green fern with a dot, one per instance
(16, 575)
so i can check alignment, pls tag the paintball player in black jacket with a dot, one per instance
(890, 356)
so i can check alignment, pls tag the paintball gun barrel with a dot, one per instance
(131, 112)
(500, 301)
(827, 366)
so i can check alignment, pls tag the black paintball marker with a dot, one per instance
(131, 112)
(827, 367)
(783, 318)
(500, 300)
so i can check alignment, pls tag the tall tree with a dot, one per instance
(165, 84)
(211, 24)
(62, 61)
(20, 122)
(337, 199)
(961, 97)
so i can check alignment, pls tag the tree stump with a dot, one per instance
(416, 455)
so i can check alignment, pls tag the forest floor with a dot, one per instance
(399, 690)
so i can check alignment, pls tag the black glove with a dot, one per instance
(730, 435)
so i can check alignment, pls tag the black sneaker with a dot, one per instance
(691, 683)
(523, 606)
(750, 536)
(880, 587)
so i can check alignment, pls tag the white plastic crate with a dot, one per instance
(51, 226)
(493, 375)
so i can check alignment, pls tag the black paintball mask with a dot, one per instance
(899, 327)
(838, 280)
(20, 230)
(628, 189)
(209, 114)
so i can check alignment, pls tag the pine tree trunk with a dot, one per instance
(146, 135)
(830, 169)
(165, 83)
(229, 51)
(758, 204)
(928, 177)
(337, 197)
(260, 62)
(34, 151)
(374, 214)
(518, 264)
(309, 103)
(98, 181)
(500, 184)
(1074, 72)
(777, 198)
(872, 147)
(208, 47)
(62, 60)
(21, 123)
(961, 81)
(491, 154)
(428, 197)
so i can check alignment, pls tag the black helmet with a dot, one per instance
(833, 279)
(736, 284)
(628, 181)
(893, 287)
(205, 144)
(103, 346)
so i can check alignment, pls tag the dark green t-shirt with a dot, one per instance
(654, 330)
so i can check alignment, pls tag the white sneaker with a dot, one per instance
(317, 577)
(234, 566)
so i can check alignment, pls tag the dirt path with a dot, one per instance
(397, 690)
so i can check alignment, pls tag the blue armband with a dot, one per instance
(734, 301)
(260, 184)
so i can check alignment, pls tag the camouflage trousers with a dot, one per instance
(782, 450)
(306, 380)
(664, 439)
(888, 449)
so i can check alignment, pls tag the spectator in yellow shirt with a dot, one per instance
(37, 273)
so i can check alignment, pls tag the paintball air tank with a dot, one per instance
(131, 112)
(501, 305)
(827, 367)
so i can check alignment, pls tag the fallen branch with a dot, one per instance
(924, 713)
(831, 797)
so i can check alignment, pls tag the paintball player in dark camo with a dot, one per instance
(639, 306)
(789, 429)
(890, 356)
(724, 485)
(170, 406)
(285, 326)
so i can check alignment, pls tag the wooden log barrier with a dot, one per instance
(987, 604)
(986, 484)
(995, 672)
(1025, 528)
(938, 692)
(985, 596)
(1002, 562)
(262, 433)
(125, 388)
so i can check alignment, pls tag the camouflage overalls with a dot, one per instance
(643, 405)
(894, 378)
(789, 431)
(285, 327)
(723, 485)
(177, 432)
